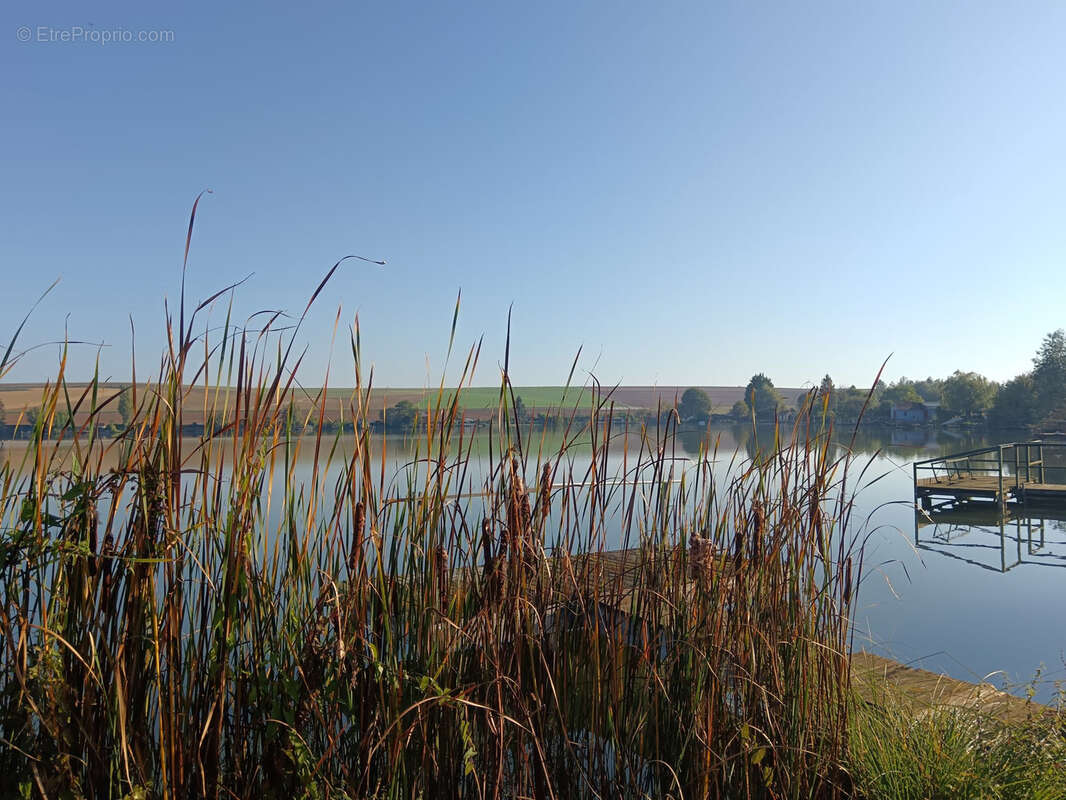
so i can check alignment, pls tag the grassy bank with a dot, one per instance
(905, 750)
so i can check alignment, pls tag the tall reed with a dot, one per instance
(187, 618)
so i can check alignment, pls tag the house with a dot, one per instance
(914, 413)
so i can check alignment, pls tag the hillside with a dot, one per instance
(478, 401)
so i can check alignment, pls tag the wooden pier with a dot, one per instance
(1023, 473)
(874, 676)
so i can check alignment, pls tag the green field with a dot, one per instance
(485, 397)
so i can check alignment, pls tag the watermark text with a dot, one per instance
(91, 34)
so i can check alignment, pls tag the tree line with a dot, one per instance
(1036, 397)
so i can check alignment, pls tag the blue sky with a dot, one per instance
(692, 192)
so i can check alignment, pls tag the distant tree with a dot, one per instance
(761, 396)
(849, 403)
(930, 389)
(900, 392)
(740, 410)
(520, 409)
(824, 396)
(968, 393)
(125, 406)
(1049, 373)
(1015, 403)
(1, 412)
(401, 417)
(826, 387)
(294, 423)
(695, 405)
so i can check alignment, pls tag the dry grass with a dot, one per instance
(199, 620)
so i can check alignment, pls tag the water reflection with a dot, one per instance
(994, 540)
(953, 594)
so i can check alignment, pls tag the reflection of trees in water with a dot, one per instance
(908, 443)
(728, 440)
(693, 441)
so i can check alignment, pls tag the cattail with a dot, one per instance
(486, 544)
(847, 582)
(519, 497)
(358, 524)
(440, 558)
(757, 533)
(518, 514)
(544, 500)
(700, 558)
(738, 546)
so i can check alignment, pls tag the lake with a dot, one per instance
(973, 598)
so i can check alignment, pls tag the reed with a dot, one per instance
(197, 618)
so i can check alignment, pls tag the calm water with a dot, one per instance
(958, 598)
(971, 598)
(977, 601)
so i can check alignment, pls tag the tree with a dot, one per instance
(826, 388)
(520, 411)
(740, 410)
(125, 407)
(968, 393)
(695, 405)
(1049, 373)
(761, 396)
(930, 389)
(401, 417)
(822, 398)
(1015, 403)
(1, 412)
(848, 403)
(900, 392)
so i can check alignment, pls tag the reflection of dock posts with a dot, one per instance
(1002, 545)
(1002, 499)
(1018, 538)
(1004, 523)
(917, 510)
(1029, 535)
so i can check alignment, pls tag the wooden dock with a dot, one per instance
(1015, 473)
(984, 487)
(872, 674)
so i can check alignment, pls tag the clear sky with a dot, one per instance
(692, 192)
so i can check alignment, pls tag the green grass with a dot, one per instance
(541, 398)
(902, 751)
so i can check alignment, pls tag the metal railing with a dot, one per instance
(1011, 463)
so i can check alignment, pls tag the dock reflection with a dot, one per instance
(991, 539)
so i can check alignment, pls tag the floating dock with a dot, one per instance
(1023, 473)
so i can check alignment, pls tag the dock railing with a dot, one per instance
(1010, 465)
(967, 464)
